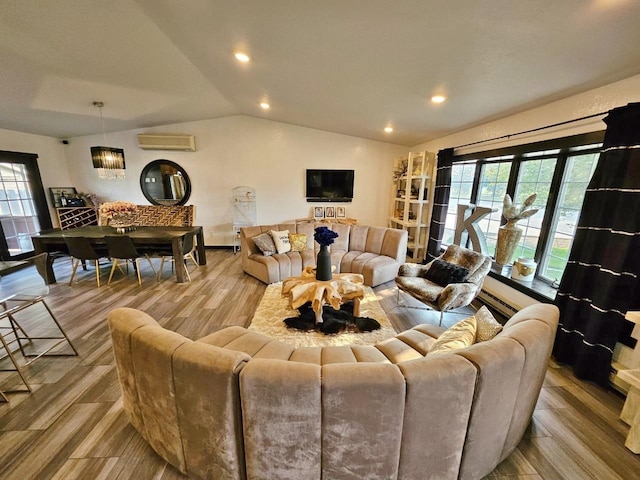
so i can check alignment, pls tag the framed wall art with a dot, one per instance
(341, 212)
(318, 212)
(329, 212)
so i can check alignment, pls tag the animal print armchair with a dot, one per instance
(448, 282)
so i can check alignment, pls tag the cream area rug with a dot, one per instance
(273, 309)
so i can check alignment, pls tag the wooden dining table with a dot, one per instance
(147, 238)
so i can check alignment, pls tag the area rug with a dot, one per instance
(273, 309)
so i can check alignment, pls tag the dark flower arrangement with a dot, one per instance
(324, 236)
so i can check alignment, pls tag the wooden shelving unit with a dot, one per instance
(72, 217)
(412, 200)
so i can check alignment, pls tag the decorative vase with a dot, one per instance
(323, 264)
(524, 269)
(509, 235)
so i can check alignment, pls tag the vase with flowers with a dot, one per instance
(119, 215)
(509, 234)
(325, 237)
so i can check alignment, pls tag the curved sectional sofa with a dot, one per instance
(236, 404)
(374, 252)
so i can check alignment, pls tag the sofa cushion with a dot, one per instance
(459, 336)
(444, 273)
(264, 242)
(298, 242)
(419, 341)
(488, 326)
(398, 351)
(281, 239)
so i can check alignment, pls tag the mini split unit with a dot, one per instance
(167, 142)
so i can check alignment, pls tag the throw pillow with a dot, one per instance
(265, 243)
(298, 242)
(281, 239)
(460, 335)
(444, 273)
(488, 326)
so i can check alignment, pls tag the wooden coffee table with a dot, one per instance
(340, 289)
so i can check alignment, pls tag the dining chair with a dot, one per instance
(21, 330)
(188, 247)
(81, 250)
(121, 247)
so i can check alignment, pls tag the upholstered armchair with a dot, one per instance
(450, 281)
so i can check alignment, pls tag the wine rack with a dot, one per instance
(73, 217)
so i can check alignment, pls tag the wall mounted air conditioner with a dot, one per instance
(148, 141)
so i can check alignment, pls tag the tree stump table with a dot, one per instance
(340, 289)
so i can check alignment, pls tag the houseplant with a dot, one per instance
(509, 234)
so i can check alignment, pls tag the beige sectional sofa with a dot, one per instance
(236, 404)
(374, 252)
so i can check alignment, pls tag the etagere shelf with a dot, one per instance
(412, 200)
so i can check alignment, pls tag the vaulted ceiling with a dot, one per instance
(345, 66)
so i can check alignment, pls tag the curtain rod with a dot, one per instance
(532, 130)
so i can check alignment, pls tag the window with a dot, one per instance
(461, 186)
(23, 208)
(492, 187)
(534, 176)
(558, 171)
(576, 177)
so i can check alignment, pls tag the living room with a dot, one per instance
(50, 113)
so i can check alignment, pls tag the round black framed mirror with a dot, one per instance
(164, 182)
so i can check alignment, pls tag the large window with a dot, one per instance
(558, 171)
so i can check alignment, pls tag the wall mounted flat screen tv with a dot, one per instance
(329, 185)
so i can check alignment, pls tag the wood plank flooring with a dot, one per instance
(72, 425)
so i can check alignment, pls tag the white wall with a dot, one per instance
(51, 159)
(270, 156)
(588, 103)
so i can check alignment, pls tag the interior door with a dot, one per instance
(23, 205)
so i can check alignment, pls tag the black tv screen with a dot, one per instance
(329, 185)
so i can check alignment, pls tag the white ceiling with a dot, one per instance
(346, 66)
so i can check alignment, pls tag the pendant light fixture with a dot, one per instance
(108, 160)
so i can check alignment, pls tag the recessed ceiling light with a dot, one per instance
(242, 57)
(388, 129)
(265, 105)
(438, 98)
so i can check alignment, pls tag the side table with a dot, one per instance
(631, 410)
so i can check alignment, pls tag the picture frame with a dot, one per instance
(56, 193)
(341, 212)
(329, 212)
(318, 212)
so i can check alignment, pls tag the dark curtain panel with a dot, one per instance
(600, 283)
(440, 202)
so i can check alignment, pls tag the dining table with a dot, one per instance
(148, 239)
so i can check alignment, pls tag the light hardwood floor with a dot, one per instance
(72, 426)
